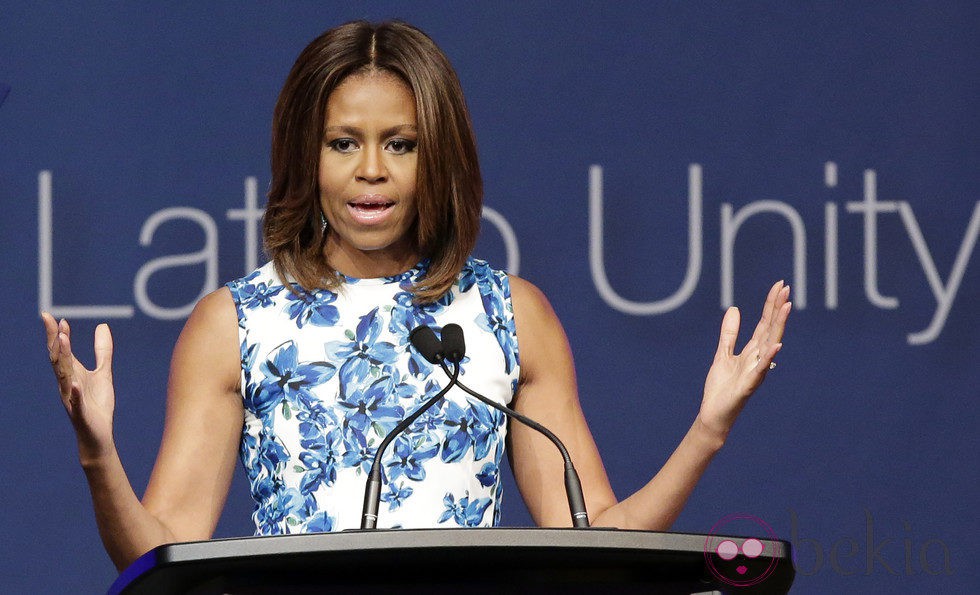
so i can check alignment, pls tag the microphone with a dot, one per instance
(425, 341)
(453, 344)
(454, 349)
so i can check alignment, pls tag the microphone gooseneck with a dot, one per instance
(372, 491)
(454, 348)
(425, 342)
(450, 350)
(573, 487)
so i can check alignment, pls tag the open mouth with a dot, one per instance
(367, 209)
(371, 206)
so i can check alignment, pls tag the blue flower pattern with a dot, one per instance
(327, 374)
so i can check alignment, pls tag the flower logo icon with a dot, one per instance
(739, 561)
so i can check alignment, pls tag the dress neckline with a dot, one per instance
(411, 274)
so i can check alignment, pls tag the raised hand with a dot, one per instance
(733, 378)
(88, 395)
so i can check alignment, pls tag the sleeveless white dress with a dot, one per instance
(326, 375)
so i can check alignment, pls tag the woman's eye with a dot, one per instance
(400, 146)
(343, 145)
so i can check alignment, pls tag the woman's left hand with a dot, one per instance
(733, 378)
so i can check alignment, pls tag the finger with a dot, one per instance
(767, 330)
(767, 313)
(779, 322)
(769, 307)
(63, 367)
(781, 298)
(103, 348)
(50, 332)
(729, 332)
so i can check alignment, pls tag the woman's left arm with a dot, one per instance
(548, 394)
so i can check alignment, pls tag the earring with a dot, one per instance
(323, 223)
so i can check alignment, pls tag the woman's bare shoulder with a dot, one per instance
(209, 341)
(533, 313)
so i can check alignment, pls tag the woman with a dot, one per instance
(304, 365)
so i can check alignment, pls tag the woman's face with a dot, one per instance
(367, 175)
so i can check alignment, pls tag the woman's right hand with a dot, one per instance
(88, 395)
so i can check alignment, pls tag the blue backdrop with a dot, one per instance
(645, 165)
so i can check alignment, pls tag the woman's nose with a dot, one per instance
(371, 167)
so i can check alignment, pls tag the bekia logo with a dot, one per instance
(739, 561)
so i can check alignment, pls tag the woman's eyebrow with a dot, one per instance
(352, 130)
(399, 128)
(355, 131)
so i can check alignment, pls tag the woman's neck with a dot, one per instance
(369, 264)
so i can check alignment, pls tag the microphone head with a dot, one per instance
(454, 347)
(425, 342)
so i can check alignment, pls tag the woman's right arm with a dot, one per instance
(197, 457)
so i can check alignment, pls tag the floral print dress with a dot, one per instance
(326, 375)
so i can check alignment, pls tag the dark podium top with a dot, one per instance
(460, 560)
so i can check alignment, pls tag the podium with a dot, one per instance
(460, 560)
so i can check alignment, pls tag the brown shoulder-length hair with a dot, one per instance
(449, 188)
